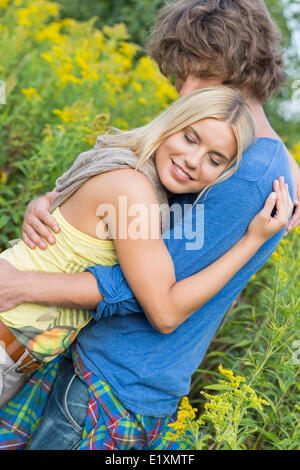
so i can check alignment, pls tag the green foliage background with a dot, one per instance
(139, 17)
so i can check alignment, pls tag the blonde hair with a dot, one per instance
(218, 102)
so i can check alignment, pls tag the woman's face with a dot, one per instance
(196, 156)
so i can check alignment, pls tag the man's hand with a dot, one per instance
(36, 220)
(11, 294)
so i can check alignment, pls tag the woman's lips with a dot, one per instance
(178, 175)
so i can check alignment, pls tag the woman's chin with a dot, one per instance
(175, 187)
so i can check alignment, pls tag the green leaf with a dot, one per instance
(244, 342)
(218, 387)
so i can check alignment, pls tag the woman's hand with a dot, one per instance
(264, 226)
(36, 220)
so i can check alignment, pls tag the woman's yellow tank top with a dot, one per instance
(47, 330)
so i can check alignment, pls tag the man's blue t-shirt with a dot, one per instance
(148, 371)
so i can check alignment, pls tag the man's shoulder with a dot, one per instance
(265, 157)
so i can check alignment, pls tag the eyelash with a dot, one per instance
(190, 141)
(214, 161)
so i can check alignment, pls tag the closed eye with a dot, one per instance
(214, 162)
(189, 139)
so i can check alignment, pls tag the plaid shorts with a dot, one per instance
(108, 425)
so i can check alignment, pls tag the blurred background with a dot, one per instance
(139, 17)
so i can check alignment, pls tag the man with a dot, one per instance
(203, 43)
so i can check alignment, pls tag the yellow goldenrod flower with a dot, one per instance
(52, 8)
(166, 91)
(4, 3)
(98, 39)
(296, 152)
(23, 17)
(61, 129)
(68, 22)
(47, 57)
(65, 116)
(283, 276)
(3, 177)
(31, 93)
(81, 62)
(226, 372)
(51, 34)
(185, 413)
(129, 49)
(137, 86)
(280, 250)
(118, 31)
(47, 131)
(90, 74)
(58, 51)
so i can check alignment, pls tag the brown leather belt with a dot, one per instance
(15, 350)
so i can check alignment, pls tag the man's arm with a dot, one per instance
(224, 225)
(222, 230)
(79, 290)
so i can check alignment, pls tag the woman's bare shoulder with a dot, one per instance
(122, 182)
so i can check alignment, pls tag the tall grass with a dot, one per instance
(259, 340)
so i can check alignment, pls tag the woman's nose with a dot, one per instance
(193, 160)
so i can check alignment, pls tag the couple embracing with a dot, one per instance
(102, 328)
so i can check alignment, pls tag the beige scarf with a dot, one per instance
(100, 160)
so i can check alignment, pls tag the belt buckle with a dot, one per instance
(20, 368)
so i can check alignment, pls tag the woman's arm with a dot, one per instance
(37, 218)
(80, 290)
(147, 265)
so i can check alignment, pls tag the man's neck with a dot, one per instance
(264, 128)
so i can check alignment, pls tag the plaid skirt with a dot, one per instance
(108, 425)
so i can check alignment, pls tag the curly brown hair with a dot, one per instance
(235, 40)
